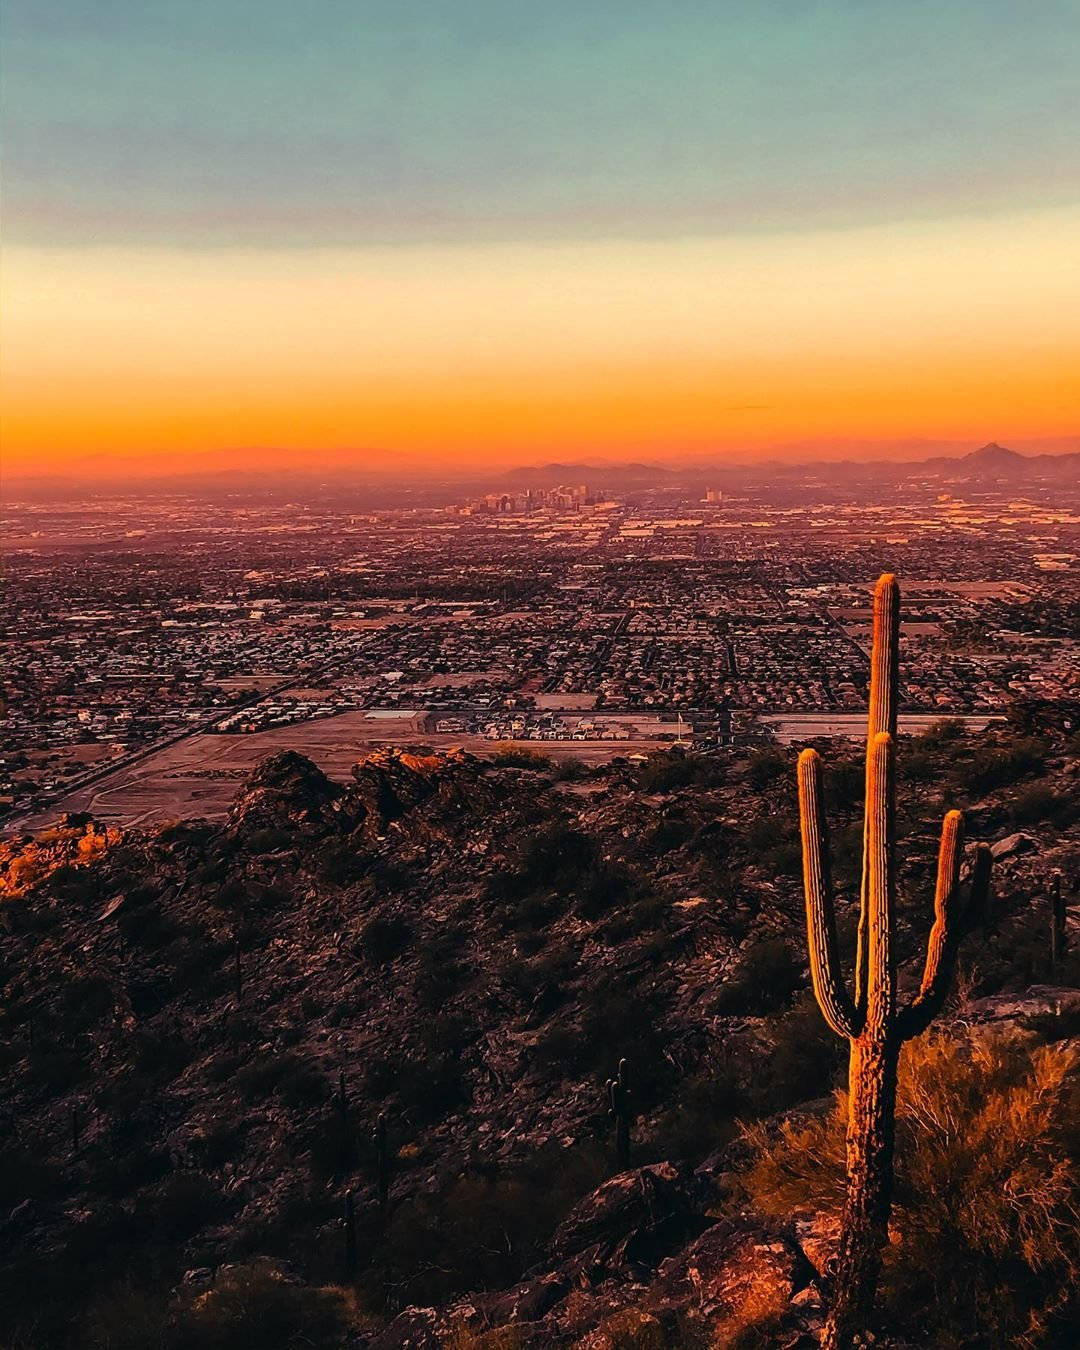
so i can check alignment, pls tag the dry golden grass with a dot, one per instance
(985, 1238)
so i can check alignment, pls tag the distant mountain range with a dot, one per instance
(990, 462)
(364, 487)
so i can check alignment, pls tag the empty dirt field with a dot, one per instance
(199, 777)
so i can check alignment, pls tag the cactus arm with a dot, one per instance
(881, 848)
(950, 925)
(836, 1007)
(944, 935)
(979, 891)
(884, 696)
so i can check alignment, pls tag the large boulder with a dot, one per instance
(737, 1275)
(285, 792)
(636, 1216)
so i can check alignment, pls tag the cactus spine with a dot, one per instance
(873, 1024)
(619, 1104)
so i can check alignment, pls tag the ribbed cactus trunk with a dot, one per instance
(872, 1064)
(871, 1021)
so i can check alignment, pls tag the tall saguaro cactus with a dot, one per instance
(873, 1023)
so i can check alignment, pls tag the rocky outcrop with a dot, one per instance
(474, 949)
(735, 1277)
(29, 861)
(287, 792)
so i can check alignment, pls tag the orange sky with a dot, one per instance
(468, 355)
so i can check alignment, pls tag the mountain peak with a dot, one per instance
(992, 453)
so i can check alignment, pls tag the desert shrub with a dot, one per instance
(767, 976)
(482, 1230)
(601, 888)
(669, 770)
(713, 843)
(645, 913)
(845, 784)
(544, 979)
(802, 1062)
(986, 1245)
(330, 1142)
(146, 925)
(772, 845)
(159, 1054)
(430, 1087)
(510, 756)
(255, 1305)
(126, 1316)
(702, 1118)
(295, 1080)
(56, 1067)
(264, 840)
(219, 1142)
(185, 1203)
(766, 765)
(389, 876)
(995, 768)
(671, 833)
(1040, 802)
(75, 885)
(534, 912)
(26, 1175)
(940, 734)
(384, 938)
(557, 857)
(339, 863)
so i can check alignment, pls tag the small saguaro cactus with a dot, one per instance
(341, 1097)
(341, 1105)
(350, 1235)
(872, 1022)
(382, 1162)
(618, 1090)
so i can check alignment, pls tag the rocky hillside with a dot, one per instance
(203, 1027)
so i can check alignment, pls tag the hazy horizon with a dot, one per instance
(483, 238)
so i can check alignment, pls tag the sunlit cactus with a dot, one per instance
(871, 1019)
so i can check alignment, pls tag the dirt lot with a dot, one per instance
(200, 776)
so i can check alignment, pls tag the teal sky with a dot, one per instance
(276, 122)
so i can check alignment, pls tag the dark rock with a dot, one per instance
(413, 1329)
(634, 1217)
(1011, 845)
(527, 1302)
(284, 791)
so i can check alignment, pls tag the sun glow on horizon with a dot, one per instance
(469, 355)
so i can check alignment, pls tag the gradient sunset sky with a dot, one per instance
(457, 233)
